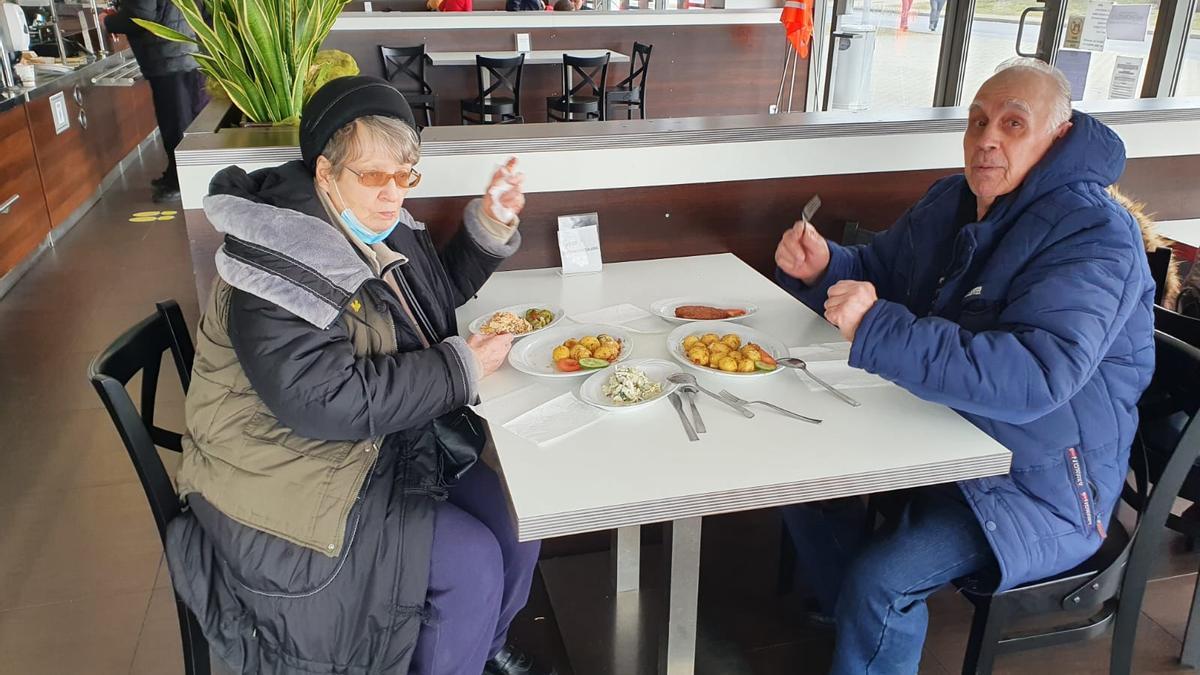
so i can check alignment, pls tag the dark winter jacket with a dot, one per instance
(317, 426)
(1035, 324)
(155, 56)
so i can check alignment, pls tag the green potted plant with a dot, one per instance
(263, 54)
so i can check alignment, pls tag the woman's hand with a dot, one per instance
(503, 199)
(490, 351)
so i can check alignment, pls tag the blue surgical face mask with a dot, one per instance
(365, 234)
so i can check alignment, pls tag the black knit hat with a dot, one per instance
(342, 101)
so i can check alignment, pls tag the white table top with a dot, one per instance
(638, 467)
(538, 57)
(1185, 232)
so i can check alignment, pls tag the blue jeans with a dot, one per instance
(875, 585)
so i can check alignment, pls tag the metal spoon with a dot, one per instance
(799, 364)
(687, 380)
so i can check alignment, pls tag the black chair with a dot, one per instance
(631, 91)
(404, 67)
(583, 80)
(1160, 266)
(496, 75)
(1111, 584)
(140, 350)
(853, 234)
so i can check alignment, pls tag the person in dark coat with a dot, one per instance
(1019, 295)
(525, 6)
(176, 83)
(337, 518)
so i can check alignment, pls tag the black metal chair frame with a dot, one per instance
(140, 350)
(625, 93)
(1111, 584)
(580, 74)
(503, 73)
(409, 63)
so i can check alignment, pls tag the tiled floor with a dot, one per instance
(82, 585)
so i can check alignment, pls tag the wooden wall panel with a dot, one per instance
(28, 222)
(694, 70)
(742, 217)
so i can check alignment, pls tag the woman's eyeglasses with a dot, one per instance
(377, 179)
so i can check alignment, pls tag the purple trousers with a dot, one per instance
(479, 578)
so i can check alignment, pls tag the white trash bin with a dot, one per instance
(850, 78)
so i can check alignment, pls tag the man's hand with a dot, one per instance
(503, 199)
(802, 253)
(847, 305)
(490, 350)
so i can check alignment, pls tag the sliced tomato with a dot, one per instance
(767, 358)
(567, 365)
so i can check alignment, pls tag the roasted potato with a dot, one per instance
(698, 356)
(728, 364)
(746, 366)
(560, 352)
(709, 338)
(590, 341)
(607, 351)
(690, 341)
(580, 352)
(732, 340)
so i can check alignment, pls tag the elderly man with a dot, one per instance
(1019, 295)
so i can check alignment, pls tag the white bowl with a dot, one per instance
(658, 370)
(773, 347)
(533, 356)
(666, 308)
(520, 310)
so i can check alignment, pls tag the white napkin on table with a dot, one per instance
(555, 419)
(623, 315)
(831, 362)
(828, 351)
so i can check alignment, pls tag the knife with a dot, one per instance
(687, 425)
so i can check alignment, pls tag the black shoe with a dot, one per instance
(166, 193)
(158, 182)
(512, 661)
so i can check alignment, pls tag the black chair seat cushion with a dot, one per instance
(493, 106)
(1047, 594)
(574, 104)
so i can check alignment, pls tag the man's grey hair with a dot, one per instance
(370, 135)
(1061, 110)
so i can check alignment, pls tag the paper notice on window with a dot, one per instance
(1074, 32)
(1074, 64)
(1125, 77)
(1095, 25)
(1128, 22)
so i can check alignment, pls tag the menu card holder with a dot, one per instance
(579, 243)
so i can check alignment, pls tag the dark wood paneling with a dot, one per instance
(745, 218)
(694, 70)
(28, 222)
(73, 163)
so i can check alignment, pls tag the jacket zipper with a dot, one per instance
(419, 319)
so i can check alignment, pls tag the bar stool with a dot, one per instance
(404, 67)
(631, 91)
(495, 75)
(586, 96)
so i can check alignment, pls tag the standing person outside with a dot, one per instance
(176, 84)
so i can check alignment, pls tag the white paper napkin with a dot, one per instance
(840, 375)
(558, 417)
(624, 315)
(828, 351)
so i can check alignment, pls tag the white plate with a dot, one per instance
(666, 308)
(657, 370)
(533, 356)
(675, 345)
(520, 310)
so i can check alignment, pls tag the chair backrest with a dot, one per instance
(853, 234)
(1172, 391)
(585, 75)
(639, 67)
(404, 67)
(140, 350)
(1160, 266)
(1177, 325)
(504, 75)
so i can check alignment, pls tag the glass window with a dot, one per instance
(1189, 74)
(885, 55)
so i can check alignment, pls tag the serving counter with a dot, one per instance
(52, 171)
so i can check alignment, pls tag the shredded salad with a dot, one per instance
(627, 386)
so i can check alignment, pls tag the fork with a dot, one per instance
(734, 399)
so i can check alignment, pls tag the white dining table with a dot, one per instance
(635, 468)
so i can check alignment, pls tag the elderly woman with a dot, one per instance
(337, 521)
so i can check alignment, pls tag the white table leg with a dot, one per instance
(626, 558)
(677, 653)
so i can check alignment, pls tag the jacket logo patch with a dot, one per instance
(1080, 485)
(356, 305)
(978, 290)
